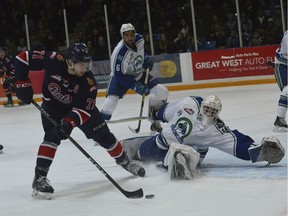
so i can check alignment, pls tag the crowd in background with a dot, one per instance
(216, 24)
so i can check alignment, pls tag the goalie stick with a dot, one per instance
(136, 130)
(129, 194)
(126, 119)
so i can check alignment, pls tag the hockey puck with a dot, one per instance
(149, 196)
(1, 147)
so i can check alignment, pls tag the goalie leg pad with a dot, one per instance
(269, 150)
(181, 161)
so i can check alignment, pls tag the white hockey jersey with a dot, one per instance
(128, 62)
(281, 56)
(184, 126)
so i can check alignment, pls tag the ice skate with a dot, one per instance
(8, 103)
(21, 103)
(42, 188)
(132, 167)
(280, 125)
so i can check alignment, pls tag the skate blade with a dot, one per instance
(278, 129)
(7, 106)
(41, 195)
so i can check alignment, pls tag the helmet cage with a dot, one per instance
(211, 107)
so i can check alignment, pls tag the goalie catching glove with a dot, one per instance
(24, 90)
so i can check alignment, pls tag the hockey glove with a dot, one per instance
(148, 63)
(65, 128)
(140, 88)
(24, 90)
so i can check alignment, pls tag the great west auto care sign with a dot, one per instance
(229, 63)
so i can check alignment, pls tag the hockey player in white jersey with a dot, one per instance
(191, 126)
(281, 75)
(128, 63)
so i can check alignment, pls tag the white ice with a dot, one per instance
(224, 186)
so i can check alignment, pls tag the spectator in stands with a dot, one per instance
(184, 28)
(247, 29)
(232, 40)
(221, 37)
(260, 22)
(231, 23)
(270, 36)
(91, 50)
(10, 47)
(102, 52)
(169, 30)
(180, 44)
(215, 23)
(257, 39)
(147, 47)
(81, 37)
(163, 45)
(22, 46)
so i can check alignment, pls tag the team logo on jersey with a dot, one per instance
(182, 128)
(138, 61)
(56, 93)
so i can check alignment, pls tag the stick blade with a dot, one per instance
(134, 194)
(135, 131)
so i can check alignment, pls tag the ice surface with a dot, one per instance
(223, 186)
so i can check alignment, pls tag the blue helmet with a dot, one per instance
(78, 52)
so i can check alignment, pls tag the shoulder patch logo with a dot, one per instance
(189, 111)
(60, 58)
(90, 81)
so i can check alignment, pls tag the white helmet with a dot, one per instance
(126, 27)
(211, 107)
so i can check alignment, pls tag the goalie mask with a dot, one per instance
(210, 108)
(126, 27)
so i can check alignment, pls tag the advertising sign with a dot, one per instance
(230, 63)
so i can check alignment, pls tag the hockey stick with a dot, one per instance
(142, 105)
(126, 119)
(129, 194)
(271, 64)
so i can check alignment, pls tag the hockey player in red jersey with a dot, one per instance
(69, 96)
(7, 71)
